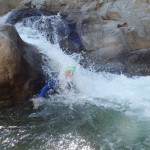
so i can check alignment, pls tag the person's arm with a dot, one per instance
(49, 85)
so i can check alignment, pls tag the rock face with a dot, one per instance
(8, 5)
(18, 76)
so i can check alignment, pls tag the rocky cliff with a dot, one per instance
(19, 73)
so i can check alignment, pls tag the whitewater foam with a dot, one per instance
(103, 89)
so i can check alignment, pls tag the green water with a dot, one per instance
(71, 127)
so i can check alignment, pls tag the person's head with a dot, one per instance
(69, 71)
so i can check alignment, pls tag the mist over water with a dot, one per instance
(103, 111)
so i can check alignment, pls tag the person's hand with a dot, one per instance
(34, 101)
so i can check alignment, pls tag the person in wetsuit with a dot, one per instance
(53, 83)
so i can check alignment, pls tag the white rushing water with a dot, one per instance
(102, 89)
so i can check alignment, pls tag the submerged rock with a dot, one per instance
(20, 67)
(71, 43)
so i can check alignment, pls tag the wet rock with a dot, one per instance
(20, 76)
(71, 43)
(19, 14)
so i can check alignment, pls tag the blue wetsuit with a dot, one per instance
(49, 85)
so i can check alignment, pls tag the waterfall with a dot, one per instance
(102, 89)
